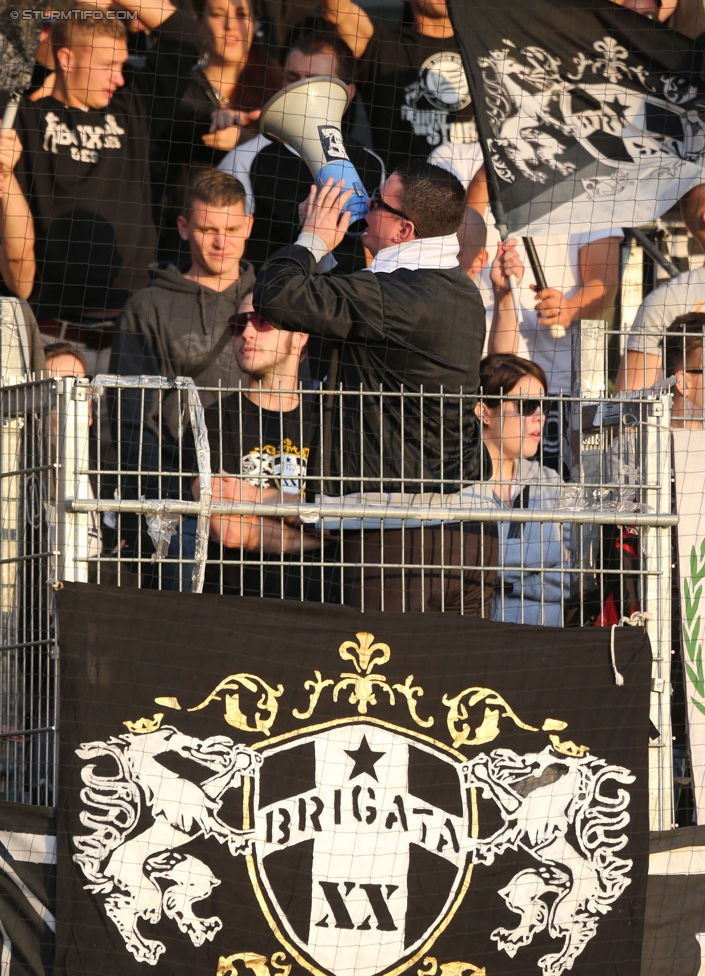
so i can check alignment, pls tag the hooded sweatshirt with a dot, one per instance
(175, 327)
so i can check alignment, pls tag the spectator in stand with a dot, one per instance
(17, 263)
(278, 180)
(85, 174)
(262, 444)
(63, 360)
(582, 271)
(511, 411)
(684, 341)
(641, 364)
(412, 320)
(225, 92)
(178, 326)
(411, 78)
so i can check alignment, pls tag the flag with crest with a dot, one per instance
(263, 788)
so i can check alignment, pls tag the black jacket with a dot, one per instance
(420, 332)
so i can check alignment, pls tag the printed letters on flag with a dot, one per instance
(266, 787)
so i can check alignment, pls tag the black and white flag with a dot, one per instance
(590, 115)
(27, 889)
(263, 788)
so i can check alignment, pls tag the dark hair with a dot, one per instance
(214, 187)
(83, 19)
(434, 198)
(65, 349)
(318, 40)
(679, 345)
(501, 371)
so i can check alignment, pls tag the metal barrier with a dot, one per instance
(373, 538)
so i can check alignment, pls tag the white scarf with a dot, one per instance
(430, 253)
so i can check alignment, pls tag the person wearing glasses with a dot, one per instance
(179, 327)
(262, 441)
(534, 579)
(413, 322)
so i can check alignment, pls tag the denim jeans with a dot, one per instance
(177, 576)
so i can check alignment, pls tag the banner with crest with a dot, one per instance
(267, 788)
(590, 115)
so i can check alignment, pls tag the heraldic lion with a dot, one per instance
(144, 875)
(554, 807)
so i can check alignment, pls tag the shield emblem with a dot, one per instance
(361, 844)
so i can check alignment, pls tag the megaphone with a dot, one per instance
(306, 116)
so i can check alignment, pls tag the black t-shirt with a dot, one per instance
(272, 451)
(280, 182)
(415, 92)
(86, 176)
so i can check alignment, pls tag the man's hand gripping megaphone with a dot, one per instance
(325, 214)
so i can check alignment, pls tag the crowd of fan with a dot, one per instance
(146, 222)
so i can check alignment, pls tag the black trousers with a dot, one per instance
(438, 569)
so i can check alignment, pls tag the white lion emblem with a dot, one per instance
(128, 869)
(545, 800)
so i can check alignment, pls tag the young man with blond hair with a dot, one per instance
(85, 173)
(178, 326)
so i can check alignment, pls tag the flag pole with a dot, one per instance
(557, 331)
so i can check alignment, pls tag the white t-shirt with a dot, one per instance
(559, 258)
(680, 295)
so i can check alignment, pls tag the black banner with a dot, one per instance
(590, 115)
(268, 787)
(27, 889)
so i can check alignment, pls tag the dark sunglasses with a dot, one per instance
(526, 407)
(377, 201)
(239, 322)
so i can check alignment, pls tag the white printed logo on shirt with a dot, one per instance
(443, 87)
(271, 467)
(86, 141)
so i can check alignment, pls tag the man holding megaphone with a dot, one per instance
(413, 322)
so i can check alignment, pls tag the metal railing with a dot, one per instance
(78, 503)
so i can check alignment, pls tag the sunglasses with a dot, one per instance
(377, 201)
(526, 407)
(239, 322)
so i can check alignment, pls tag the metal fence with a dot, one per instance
(81, 503)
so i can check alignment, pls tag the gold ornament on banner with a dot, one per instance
(364, 683)
(144, 725)
(263, 720)
(240, 962)
(489, 728)
(430, 967)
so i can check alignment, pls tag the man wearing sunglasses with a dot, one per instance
(262, 443)
(412, 322)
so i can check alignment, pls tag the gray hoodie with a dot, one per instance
(173, 328)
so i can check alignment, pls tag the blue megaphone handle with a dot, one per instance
(343, 169)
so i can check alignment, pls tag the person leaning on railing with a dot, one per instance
(412, 323)
(533, 581)
(263, 440)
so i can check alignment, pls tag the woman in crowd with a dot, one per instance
(224, 96)
(511, 413)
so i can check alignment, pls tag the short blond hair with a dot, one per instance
(78, 20)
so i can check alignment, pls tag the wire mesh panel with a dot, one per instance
(28, 558)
